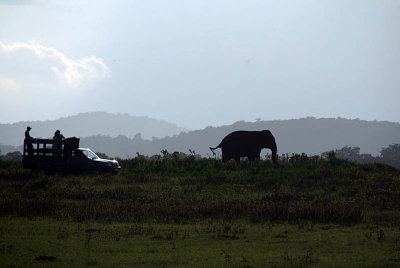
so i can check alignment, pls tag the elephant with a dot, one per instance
(247, 143)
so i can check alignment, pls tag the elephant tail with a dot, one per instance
(212, 149)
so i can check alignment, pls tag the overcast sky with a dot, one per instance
(200, 63)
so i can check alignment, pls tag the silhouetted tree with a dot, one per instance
(12, 156)
(348, 153)
(391, 155)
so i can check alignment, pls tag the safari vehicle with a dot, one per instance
(46, 155)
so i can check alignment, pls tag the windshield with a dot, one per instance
(89, 154)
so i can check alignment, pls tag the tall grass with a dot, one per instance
(175, 190)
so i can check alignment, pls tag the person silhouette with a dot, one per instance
(58, 137)
(28, 141)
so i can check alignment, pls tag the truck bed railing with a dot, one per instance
(46, 147)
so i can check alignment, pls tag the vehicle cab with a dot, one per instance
(84, 158)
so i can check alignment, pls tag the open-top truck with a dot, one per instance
(51, 155)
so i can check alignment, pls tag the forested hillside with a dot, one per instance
(307, 135)
(90, 124)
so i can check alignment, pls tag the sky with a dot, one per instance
(200, 63)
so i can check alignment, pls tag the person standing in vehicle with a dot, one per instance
(58, 137)
(28, 141)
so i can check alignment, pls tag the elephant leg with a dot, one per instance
(253, 157)
(225, 158)
(274, 156)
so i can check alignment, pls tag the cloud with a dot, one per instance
(6, 83)
(72, 73)
(37, 81)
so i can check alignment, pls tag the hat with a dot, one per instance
(28, 128)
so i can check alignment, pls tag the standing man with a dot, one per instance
(28, 141)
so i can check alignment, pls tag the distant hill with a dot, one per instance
(309, 135)
(90, 124)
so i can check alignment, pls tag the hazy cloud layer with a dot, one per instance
(72, 72)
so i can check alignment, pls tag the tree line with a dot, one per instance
(388, 155)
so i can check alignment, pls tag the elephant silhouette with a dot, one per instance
(247, 144)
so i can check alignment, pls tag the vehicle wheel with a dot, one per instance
(96, 171)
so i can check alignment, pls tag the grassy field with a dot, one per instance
(306, 212)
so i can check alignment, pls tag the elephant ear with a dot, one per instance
(268, 137)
